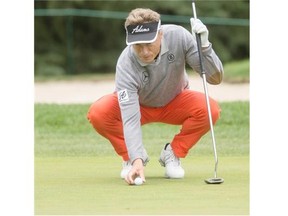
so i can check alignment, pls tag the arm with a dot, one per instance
(136, 170)
(127, 89)
(212, 64)
(130, 113)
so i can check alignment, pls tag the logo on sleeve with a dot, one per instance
(123, 96)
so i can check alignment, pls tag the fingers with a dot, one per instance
(136, 170)
(130, 177)
(197, 26)
(141, 175)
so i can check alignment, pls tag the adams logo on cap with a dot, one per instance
(140, 29)
(142, 33)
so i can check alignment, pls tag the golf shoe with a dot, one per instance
(171, 163)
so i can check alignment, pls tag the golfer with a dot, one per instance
(152, 86)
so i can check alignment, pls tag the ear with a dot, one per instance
(160, 33)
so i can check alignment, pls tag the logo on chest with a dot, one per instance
(171, 57)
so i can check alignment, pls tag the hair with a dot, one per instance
(141, 15)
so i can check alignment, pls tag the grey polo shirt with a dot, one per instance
(156, 84)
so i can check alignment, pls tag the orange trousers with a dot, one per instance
(187, 109)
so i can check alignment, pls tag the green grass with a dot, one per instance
(77, 170)
(91, 185)
(237, 72)
(63, 130)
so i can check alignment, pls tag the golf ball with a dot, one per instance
(138, 181)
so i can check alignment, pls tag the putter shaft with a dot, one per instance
(198, 40)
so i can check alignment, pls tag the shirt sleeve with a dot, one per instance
(127, 91)
(212, 65)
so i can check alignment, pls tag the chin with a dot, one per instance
(147, 61)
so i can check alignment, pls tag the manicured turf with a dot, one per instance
(77, 171)
(92, 185)
(63, 130)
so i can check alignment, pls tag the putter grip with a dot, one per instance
(199, 47)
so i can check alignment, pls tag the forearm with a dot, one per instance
(133, 138)
(212, 66)
(131, 118)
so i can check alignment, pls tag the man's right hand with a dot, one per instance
(136, 170)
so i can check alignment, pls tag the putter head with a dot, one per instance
(214, 180)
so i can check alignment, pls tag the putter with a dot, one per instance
(215, 180)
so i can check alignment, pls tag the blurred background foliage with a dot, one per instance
(85, 45)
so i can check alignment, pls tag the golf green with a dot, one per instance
(92, 185)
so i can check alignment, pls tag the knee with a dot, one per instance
(203, 111)
(95, 114)
(103, 111)
(215, 110)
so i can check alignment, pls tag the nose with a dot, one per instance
(145, 50)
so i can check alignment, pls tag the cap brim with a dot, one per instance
(142, 33)
(141, 38)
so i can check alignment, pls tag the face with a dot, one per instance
(147, 52)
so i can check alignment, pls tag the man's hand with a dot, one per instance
(136, 170)
(199, 28)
